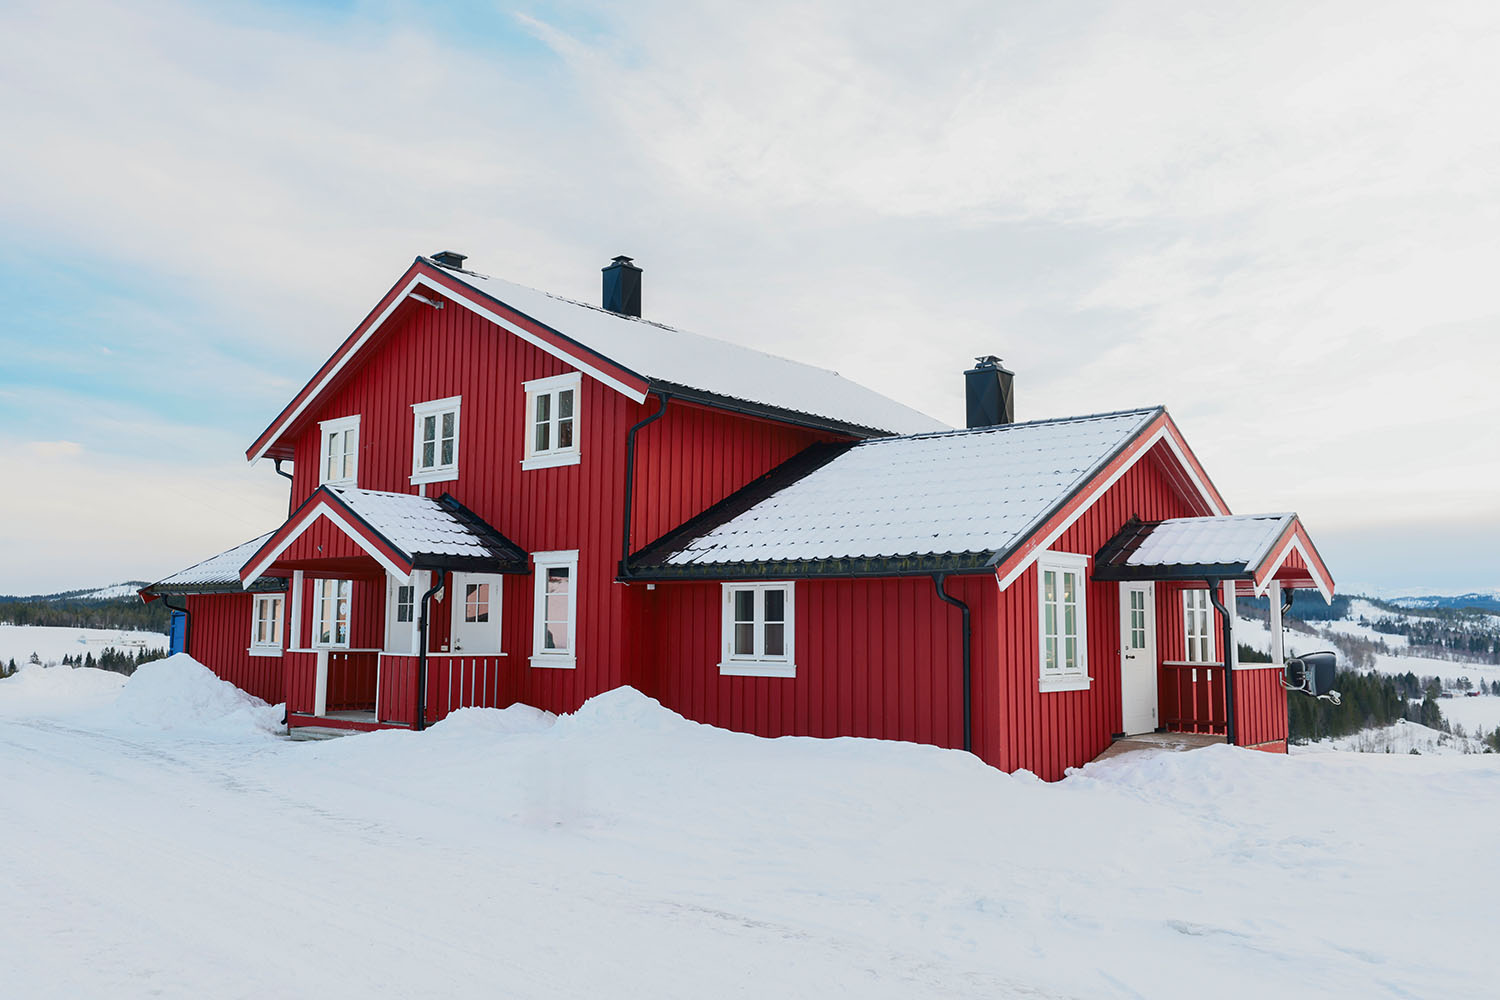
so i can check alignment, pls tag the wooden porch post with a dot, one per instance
(1278, 641)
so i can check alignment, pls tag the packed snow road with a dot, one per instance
(159, 840)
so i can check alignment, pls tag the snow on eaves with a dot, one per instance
(970, 491)
(220, 572)
(421, 526)
(662, 354)
(1198, 541)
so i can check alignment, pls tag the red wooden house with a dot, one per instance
(502, 496)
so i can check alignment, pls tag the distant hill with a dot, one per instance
(1478, 601)
(113, 607)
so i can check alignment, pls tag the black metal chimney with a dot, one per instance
(989, 392)
(447, 258)
(622, 287)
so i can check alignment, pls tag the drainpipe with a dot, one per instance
(1227, 638)
(442, 578)
(187, 619)
(940, 582)
(291, 479)
(630, 480)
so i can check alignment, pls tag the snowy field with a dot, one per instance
(52, 643)
(623, 852)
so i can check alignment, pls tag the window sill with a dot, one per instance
(264, 650)
(551, 461)
(1065, 684)
(434, 476)
(554, 662)
(757, 668)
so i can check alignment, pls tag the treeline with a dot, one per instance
(1453, 637)
(123, 613)
(1366, 700)
(119, 661)
(1307, 606)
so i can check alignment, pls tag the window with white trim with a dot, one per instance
(1062, 600)
(338, 463)
(434, 456)
(758, 630)
(552, 421)
(265, 625)
(331, 599)
(1197, 623)
(555, 609)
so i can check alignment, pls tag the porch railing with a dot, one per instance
(351, 680)
(1192, 698)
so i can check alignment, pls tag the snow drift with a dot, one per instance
(181, 693)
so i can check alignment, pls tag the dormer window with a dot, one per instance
(339, 461)
(552, 421)
(435, 442)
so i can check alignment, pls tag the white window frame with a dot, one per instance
(339, 427)
(540, 655)
(758, 664)
(347, 586)
(550, 387)
(435, 408)
(269, 608)
(1061, 679)
(1196, 603)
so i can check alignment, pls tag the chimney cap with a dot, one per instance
(449, 258)
(621, 261)
(988, 361)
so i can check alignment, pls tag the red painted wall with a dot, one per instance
(1260, 712)
(1048, 732)
(219, 638)
(875, 657)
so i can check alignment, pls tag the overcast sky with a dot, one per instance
(1280, 220)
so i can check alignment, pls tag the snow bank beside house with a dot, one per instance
(35, 689)
(179, 693)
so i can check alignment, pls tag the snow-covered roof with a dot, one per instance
(669, 357)
(427, 528)
(1242, 540)
(215, 575)
(974, 492)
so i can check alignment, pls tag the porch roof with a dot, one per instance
(1255, 548)
(399, 531)
(218, 574)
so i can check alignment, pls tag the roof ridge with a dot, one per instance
(998, 428)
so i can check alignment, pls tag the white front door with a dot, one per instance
(476, 613)
(401, 594)
(1138, 657)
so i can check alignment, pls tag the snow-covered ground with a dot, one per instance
(624, 852)
(52, 643)
(1399, 737)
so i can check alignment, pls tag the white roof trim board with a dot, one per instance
(961, 492)
(218, 573)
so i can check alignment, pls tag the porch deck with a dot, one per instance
(1159, 741)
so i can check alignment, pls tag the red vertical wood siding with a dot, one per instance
(219, 638)
(686, 461)
(1049, 732)
(879, 658)
(1260, 713)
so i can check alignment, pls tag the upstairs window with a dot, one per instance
(331, 613)
(265, 626)
(758, 630)
(552, 421)
(435, 442)
(1062, 600)
(1197, 621)
(339, 465)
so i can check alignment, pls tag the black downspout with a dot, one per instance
(1225, 640)
(442, 578)
(939, 582)
(290, 478)
(630, 480)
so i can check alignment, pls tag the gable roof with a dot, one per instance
(401, 531)
(634, 356)
(1257, 548)
(216, 575)
(954, 501)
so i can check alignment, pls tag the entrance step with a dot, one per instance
(319, 732)
(1159, 741)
